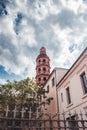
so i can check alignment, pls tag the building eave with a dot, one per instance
(72, 66)
(56, 68)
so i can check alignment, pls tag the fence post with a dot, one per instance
(76, 119)
(14, 116)
(29, 123)
(85, 113)
(44, 117)
(14, 112)
(7, 110)
(82, 121)
(51, 122)
(64, 121)
(58, 121)
(30, 113)
(22, 116)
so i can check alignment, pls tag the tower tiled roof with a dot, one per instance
(42, 55)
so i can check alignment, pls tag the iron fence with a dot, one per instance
(27, 120)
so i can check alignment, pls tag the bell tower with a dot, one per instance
(42, 67)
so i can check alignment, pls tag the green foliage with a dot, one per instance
(22, 94)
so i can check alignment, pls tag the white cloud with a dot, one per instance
(6, 23)
(43, 9)
(2, 81)
(27, 36)
(68, 37)
(52, 8)
(58, 26)
(82, 7)
(40, 12)
(61, 34)
(73, 5)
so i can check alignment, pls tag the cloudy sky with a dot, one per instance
(27, 25)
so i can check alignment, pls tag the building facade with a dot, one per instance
(72, 88)
(50, 87)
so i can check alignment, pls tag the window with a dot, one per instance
(39, 70)
(48, 89)
(84, 81)
(39, 79)
(62, 97)
(72, 122)
(44, 78)
(39, 61)
(52, 81)
(68, 95)
(44, 61)
(44, 69)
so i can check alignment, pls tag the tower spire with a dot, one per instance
(42, 67)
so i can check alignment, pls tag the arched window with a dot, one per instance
(44, 78)
(39, 70)
(39, 61)
(44, 61)
(44, 69)
(39, 79)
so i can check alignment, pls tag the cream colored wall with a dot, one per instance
(52, 89)
(73, 81)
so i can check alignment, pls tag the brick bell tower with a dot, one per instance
(42, 67)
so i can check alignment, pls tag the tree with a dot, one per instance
(24, 94)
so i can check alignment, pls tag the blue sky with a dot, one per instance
(27, 25)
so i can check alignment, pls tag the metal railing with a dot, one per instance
(28, 120)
